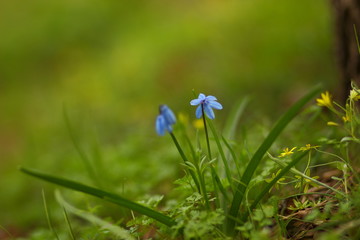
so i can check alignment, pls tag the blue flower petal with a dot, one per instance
(209, 112)
(160, 125)
(169, 128)
(208, 103)
(198, 112)
(168, 114)
(215, 105)
(211, 98)
(201, 96)
(195, 102)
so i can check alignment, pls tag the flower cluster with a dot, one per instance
(166, 117)
(348, 115)
(287, 152)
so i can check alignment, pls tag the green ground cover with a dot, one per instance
(88, 77)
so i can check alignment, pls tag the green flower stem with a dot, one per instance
(182, 154)
(206, 132)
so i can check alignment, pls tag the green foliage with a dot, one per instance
(192, 222)
(307, 190)
(110, 62)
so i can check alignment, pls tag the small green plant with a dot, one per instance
(225, 195)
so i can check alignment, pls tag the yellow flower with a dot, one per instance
(346, 118)
(354, 95)
(307, 147)
(332, 124)
(287, 152)
(198, 124)
(325, 100)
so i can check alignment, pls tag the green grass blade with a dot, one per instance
(111, 197)
(255, 160)
(183, 156)
(233, 155)
(234, 116)
(116, 230)
(357, 38)
(48, 216)
(68, 224)
(222, 154)
(89, 168)
(218, 182)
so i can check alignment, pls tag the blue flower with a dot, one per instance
(165, 120)
(206, 102)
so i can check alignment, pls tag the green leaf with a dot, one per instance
(111, 197)
(255, 160)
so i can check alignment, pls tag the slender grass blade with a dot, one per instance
(111, 197)
(48, 216)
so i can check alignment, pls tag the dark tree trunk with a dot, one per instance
(347, 16)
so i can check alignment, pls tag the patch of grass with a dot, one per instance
(307, 190)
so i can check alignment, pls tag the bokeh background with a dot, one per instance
(107, 65)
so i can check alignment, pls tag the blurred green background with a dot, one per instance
(109, 64)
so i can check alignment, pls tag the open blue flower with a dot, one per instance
(164, 120)
(206, 102)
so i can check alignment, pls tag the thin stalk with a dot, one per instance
(213, 172)
(341, 159)
(48, 216)
(202, 184)
(217, 199)
(357, 38)
(206, 132)
(182, 154)
(302, 185)
(68, 223)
